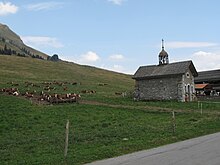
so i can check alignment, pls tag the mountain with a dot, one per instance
(11, 44)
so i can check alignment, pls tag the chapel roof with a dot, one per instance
(156, 71)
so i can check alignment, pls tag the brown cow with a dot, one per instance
(65, 88)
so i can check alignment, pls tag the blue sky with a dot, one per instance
(119, 35)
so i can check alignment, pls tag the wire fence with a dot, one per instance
(211, 106)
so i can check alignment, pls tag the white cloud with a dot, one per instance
(116, 2)
(206, 60)
(7, 8)
(88, 58)
(118, 68)
(39, 42)
(177, 44)
(92, 59)
(116, 57)
(44, 6)
(114, 67)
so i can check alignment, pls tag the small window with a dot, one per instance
(187, 75)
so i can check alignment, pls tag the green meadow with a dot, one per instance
(102, 124)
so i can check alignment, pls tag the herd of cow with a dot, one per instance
(46, 92)
(43, 95)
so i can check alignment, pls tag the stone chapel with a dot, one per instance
(165, 81)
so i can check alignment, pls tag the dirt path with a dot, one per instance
(145, 108)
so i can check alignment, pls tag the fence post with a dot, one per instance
(201, 108)
(174, 122)
(66, 139)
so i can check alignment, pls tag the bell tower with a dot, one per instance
(163, 56)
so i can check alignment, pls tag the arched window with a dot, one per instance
(189, 89)
(192, 88)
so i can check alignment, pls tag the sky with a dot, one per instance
(119, 35)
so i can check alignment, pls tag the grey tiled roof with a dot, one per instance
(154, 71)
(207, 76)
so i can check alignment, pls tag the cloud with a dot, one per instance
(44, 6)
(114, 67)
(177, 44)
(38, 41)
(206, 60)
(116, 57)
(117, 68)
(93, 59)
(88, 58)
(116, 2)
(7, 8)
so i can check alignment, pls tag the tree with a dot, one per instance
(7, 51)
(5, 48)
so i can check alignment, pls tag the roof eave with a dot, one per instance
(155, 77)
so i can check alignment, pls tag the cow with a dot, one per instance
(65, 88)
(74, 83)
(15, 93)
(118, 93)
(28, 95)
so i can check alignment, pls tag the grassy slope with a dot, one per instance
(34, 134)
(23, 69)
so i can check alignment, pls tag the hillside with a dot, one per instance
(19, 70)
(23, 69)
(13, 43)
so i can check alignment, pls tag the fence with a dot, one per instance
(208, 105)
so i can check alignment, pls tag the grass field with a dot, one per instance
(102, 125)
